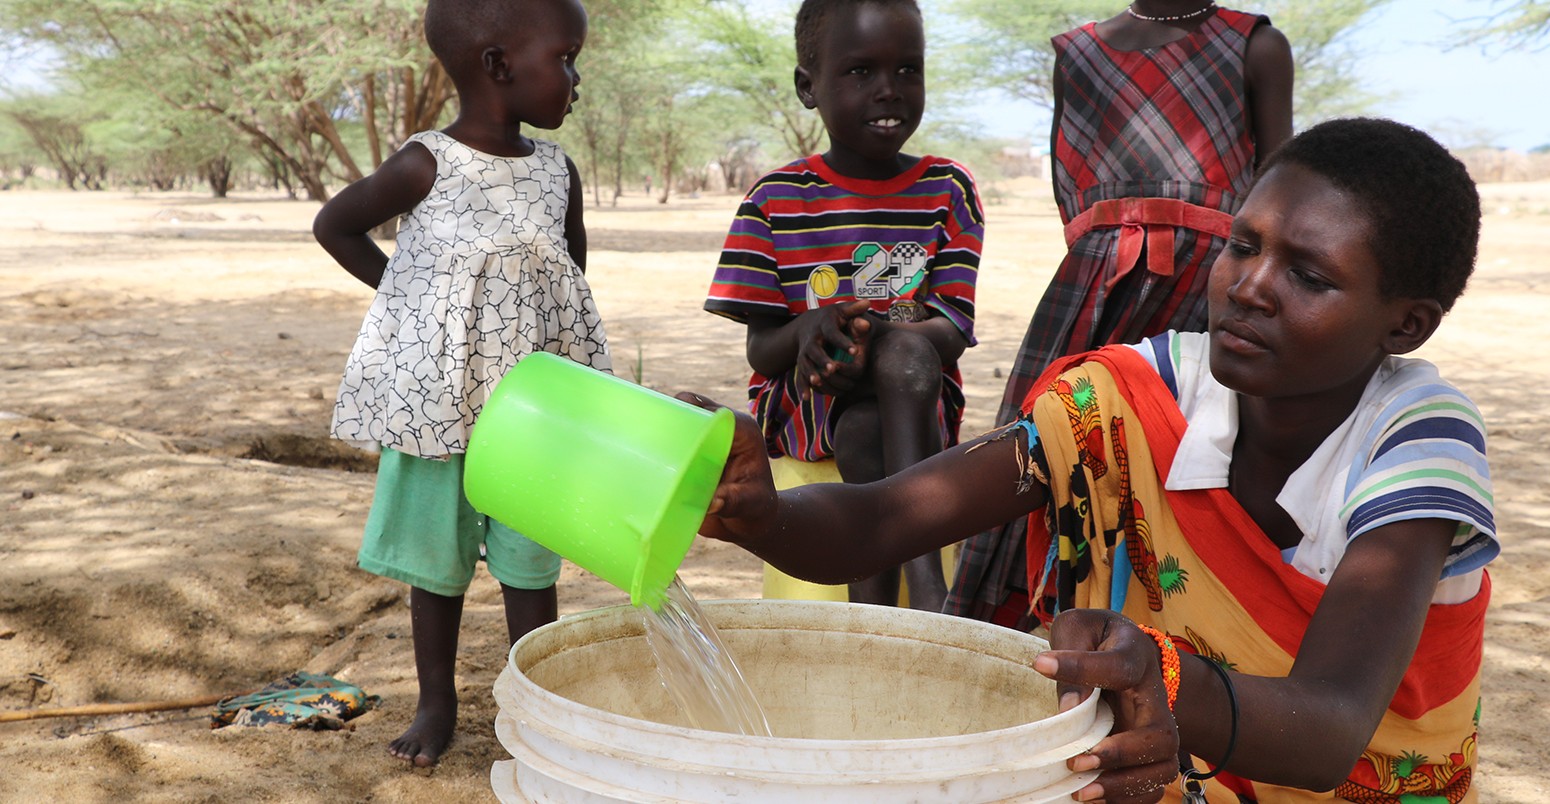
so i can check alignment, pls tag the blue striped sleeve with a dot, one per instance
(1426, 459)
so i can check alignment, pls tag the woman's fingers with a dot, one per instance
(698, 400)
(1105, 669)
(1100, 649)
(1155, 748)
(1137, 784)
(744, 499)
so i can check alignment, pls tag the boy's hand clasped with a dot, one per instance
(832, 356)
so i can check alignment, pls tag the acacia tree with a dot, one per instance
(622, 39)
(281, 73)
(1520, 23)
(1327, 83)
(57, 126)
(752, 56)
(1022, 60)
(647, 103)
(19, 155)
(147, 143)
(601, 128)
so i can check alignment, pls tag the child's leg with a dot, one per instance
(527, 609)
(900, 427)
(527, 572)
(858, 454)
(422, 531)
(434, 622)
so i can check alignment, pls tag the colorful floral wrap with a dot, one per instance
(1195, 565)
(300, 700)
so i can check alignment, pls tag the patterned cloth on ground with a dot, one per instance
(300, 700)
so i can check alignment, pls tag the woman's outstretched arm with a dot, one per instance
(835, 533)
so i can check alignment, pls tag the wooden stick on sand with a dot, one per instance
(111, 709)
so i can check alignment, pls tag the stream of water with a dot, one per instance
(697, 669)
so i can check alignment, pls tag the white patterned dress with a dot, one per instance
(481, 277)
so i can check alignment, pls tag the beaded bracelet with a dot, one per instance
(1170, 661)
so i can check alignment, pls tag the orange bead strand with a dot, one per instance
(1170, 661)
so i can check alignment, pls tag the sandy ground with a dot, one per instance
(174, 522)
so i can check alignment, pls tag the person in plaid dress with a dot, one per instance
(1161, 115)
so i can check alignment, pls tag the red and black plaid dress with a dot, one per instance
(1152, 156)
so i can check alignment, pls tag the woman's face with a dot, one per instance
(1295, 308)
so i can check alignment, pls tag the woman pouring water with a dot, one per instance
(1265, 542)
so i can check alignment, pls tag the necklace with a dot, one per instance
(1131, 10)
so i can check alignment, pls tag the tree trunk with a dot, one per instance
(217, 172)
(369, 117)
(317, 121)
(621, 136)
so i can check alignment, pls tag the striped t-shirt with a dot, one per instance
(806, 237)
(1414, 448)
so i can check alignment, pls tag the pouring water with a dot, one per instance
(696, 668)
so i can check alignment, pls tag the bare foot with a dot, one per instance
(426, 738)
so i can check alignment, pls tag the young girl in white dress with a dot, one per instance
(488, 268)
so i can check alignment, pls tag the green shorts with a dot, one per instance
(422, 531)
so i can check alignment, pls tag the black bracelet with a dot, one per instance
(1232, 735)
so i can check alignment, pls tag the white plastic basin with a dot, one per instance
(868, 704)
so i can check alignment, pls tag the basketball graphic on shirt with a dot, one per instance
(824, 280)
(822, 284)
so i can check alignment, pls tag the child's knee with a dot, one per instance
(906, 363)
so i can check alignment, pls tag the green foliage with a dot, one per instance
(19, 155)
(1328, 82)
(56, 126)
(148, 144)
(318, 92)
(277, 73)
(1022, 60)
(622, 75)
(752, 58)
(1006, 44)
(944, 135)
(1517, 24)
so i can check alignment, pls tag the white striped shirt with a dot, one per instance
(1414, 448)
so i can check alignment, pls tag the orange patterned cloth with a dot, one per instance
(1196, 566)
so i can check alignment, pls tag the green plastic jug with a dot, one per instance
(612, 476)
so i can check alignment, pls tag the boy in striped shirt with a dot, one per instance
(854, 270)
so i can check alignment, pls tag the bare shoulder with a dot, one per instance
(413, 167)
(1269, 47)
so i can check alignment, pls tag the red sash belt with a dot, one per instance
(1148, 221)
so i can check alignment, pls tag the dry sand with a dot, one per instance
(174, 521)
